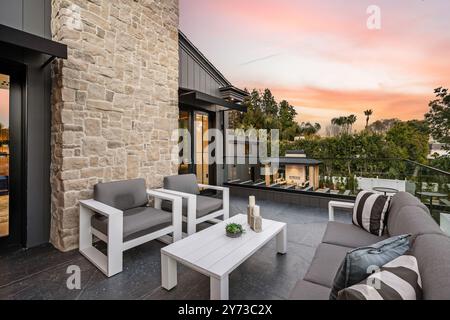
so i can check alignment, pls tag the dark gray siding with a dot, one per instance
(34, 16)
(196, 77)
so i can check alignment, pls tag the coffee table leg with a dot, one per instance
(168, 272)
(282, 241)
(219, 288)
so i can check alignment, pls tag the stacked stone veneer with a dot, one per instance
(115, 100)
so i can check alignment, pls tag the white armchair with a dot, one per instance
(119, 216)
(196, 208)
(338, 204)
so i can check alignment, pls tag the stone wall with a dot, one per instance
(114, 100)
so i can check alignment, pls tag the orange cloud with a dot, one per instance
(320, 56)
(315, 101)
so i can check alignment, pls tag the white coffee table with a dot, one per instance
(212, 253)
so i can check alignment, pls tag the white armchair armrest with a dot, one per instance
(177, 214)
(191, 206)
(163, 196)
(225, 198)
(338, 204)
(206, 186)
(178, 193)
(100, 208)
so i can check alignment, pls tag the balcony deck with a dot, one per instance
(40, 273)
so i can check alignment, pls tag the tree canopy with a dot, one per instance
(438, 117)
(264, 112)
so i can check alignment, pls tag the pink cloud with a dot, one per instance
(320, 54)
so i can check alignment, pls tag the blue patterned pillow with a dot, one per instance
(361, 262)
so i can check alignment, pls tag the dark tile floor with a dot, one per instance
(41, 273)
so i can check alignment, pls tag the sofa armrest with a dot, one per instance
(100, 208)
(338, 204)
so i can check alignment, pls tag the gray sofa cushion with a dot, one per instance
(136, 222)
(358, 262)
(396, 280)
(349, 235)
(186, 183)
(205, 206)
(370, 212)
(433, 255)
(325, 264)
(305, 290)
(398, 201)
(413, 220)
(122, 195)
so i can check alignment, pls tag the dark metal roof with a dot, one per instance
(184, 41)
(197, 98)
(298, 160)
(32, 42)
(231, 92)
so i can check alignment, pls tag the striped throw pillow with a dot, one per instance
(370, 212)
(396, 280)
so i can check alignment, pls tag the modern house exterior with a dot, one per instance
(96, 90)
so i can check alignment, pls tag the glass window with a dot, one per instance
(4, 156)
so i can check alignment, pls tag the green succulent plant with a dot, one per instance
(234, 228)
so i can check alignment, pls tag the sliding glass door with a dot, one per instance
(201, 146)
(196, 124)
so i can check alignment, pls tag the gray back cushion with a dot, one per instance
(122, 195)
(433, 256)
(357, 262)
(413, 220)
(186, 183)
(400, 200)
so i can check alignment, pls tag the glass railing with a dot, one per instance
(344, 178)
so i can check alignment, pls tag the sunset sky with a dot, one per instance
(321, 57)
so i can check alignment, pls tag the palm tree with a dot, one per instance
(368, 114)
(350, 121)
(342, 123)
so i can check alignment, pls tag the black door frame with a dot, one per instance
(18, 153)
(212, 124)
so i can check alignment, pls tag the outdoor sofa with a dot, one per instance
(407, 215)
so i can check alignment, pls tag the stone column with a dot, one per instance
(114, 100)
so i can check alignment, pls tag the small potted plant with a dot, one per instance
(234, 230)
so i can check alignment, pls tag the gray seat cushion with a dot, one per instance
(433, 256)
(205, 206)
(305, 290)
(122, 195)
(136, 222)
(186, 183)
(325, 264)
(349, 235)
(412, 220)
